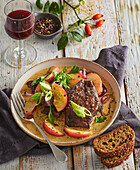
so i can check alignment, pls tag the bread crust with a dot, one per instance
(116, 151)
(116, 161)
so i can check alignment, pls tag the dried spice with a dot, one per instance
(45, 26)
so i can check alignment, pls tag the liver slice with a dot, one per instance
(83, 94)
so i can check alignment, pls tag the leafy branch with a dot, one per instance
(74, 31)
(53, 7)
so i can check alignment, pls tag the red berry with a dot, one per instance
(100, 23)
(97, 16)
(88, 29)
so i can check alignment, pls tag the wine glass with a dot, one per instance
(19, 25)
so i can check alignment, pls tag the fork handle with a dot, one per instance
(59, 155)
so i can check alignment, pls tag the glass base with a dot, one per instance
(24, 57)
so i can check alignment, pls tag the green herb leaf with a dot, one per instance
(46, 6)
(51, 117)
(61, 8)
(37, 98)
(76, 36)
(48, 96)
(81, 31)
(62, 43)
(54, 8)
(38, 80)
(69, 76)
(62, 79)
(39, 4)
(100, 119)
(74, 69)
(79, 110)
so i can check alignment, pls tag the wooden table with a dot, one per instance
(122, 26)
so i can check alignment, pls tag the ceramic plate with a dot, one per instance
(68, 62)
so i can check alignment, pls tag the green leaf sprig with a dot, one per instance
(79, 110)
(38, 80)
(46, 91)
(62, 78)
(51, 117)
(53, 8)
(46, 6)
(37, 98)
(74, 69)
(39, 4)
(74, 32)
(100, 119)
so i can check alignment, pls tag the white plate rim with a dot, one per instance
(14, 114)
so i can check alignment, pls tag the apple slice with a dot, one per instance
(49, 128)
(76, 133)
(60, 97)
(77, 76)
(38, 89)
(50, 77)
(29, 105)
(73, 82)
(97, 82)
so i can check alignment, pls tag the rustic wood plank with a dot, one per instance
(46, 49)
(86, 159)
(137, 158)
(11, 165)
(129, 34)
(45, 162)
(105, 36)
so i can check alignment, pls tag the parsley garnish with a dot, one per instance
(100, 119)
(62, 78)
(38, 80)
(51, 117)
(74, 69)
(37, 98)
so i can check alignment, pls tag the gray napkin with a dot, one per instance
(14, 142)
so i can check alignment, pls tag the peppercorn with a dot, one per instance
(45, 26)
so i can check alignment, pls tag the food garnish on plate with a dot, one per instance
(69, 102)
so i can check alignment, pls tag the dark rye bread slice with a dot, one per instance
(117, 160)
(83, 94)
(115, 142)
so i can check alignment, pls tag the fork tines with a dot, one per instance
(18, 103)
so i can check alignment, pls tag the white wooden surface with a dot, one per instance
(122, 26)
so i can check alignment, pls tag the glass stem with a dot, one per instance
(20, 49)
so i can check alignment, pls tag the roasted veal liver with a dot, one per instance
(83, 94)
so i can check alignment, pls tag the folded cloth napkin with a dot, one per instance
(14, 142)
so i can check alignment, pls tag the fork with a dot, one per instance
(19, 103)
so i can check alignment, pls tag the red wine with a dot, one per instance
(20, 24)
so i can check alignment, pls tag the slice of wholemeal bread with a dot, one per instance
(117, 160)
(115, 142)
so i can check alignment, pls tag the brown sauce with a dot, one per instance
(38, 115)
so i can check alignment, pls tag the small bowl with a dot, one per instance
(54, 18)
